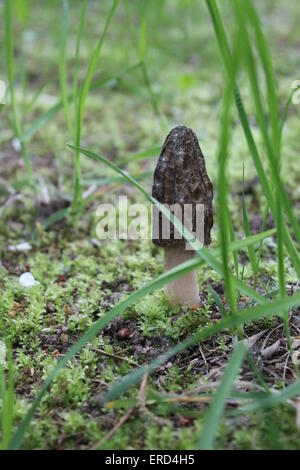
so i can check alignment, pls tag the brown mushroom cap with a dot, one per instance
(180, 178)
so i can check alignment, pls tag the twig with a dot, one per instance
(142, 404)
(203, 356)
(113, 430)
(93, 188)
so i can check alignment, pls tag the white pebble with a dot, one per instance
(16, 144)
(23, 246)
(27, 280)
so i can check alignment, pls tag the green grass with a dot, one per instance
(7, 397)
(80, 107)
(10, 64)
(70, 374)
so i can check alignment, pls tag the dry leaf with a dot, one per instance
(268, 352)
(68, 310)
(123, 333)
(252, 339)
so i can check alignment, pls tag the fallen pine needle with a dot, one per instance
(113, 430)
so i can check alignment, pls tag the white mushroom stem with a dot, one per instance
(185, 290)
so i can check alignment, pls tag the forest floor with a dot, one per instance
(81, 277)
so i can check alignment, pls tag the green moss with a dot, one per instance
(273, 429)
(80, 280)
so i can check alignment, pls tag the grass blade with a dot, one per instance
(266, 60)
(285, 113)
(63, 66)
(238, 245)
(272, 145)
(77, 197)
(227, 59)
(233, 239)
(140, 43)
(202, 251)
(218, 301)
(8, 398)
(114, 179)
(217, 407)
(223, 195)
(9, 49)
(76, 66)
(276, 398)
(152, 152)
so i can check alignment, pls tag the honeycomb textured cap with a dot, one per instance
(180, 177)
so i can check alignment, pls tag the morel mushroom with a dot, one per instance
(180, 181)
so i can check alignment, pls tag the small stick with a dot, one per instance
(142, 404)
